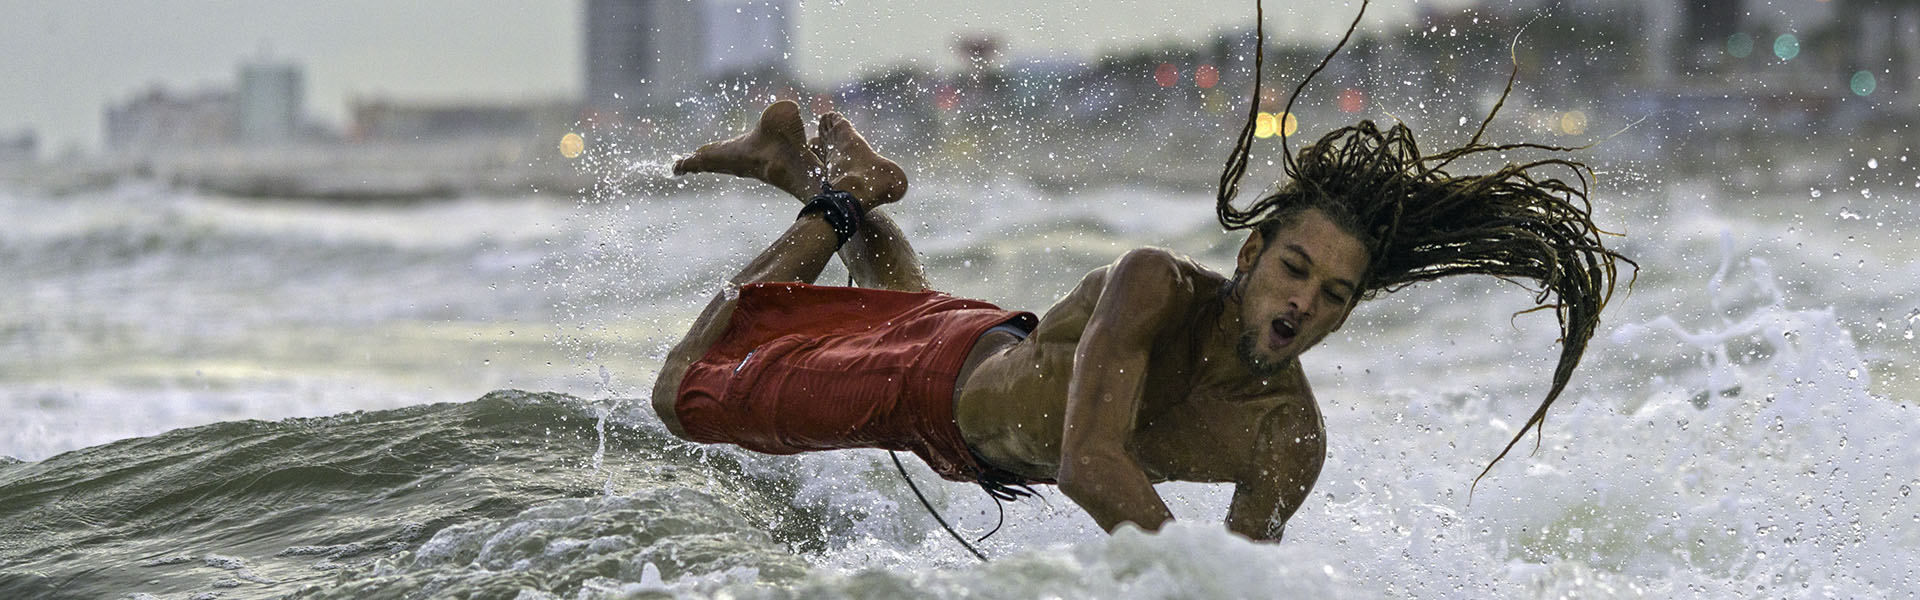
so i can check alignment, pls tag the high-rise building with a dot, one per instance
(270, 99)
(652, 53)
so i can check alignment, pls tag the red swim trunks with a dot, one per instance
(803, 367)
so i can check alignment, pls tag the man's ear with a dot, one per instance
(1250, 252)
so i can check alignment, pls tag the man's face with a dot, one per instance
(1299, 287)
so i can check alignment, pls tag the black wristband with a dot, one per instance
(839, 208)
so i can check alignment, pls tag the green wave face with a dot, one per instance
(423, 499)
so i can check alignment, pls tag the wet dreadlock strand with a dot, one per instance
(1236, 167)
(1421, 223)
(1242, 145)
(1286, 154)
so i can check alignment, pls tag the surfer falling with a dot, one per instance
(1153, 368)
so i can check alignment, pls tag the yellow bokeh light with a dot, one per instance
(1573, 122)
(571, 145)
(1290, 126)
(1263, 126)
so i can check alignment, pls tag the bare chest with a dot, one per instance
(1194, 436)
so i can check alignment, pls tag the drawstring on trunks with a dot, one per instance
(931, 511)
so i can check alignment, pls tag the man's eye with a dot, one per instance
(1295, 269)
(1336, 297)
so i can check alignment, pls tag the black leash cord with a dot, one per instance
(930, 510)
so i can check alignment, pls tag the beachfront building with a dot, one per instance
(161, 120)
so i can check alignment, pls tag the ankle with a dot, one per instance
(840, 209)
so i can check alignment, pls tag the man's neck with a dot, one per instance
(1217, 363)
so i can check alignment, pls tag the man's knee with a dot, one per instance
(666, 393)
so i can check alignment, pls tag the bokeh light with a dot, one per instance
(1573, 122)
(1863, 83)
(1263, 125)
(572, 145)
(1271, 124)
(1267, 125)
(1206, 76)
(1786, 46)
(1166, 75)
(1351, 100)
(1740, 45)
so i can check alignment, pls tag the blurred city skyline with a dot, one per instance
(69, 61)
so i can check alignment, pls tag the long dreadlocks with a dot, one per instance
(1421, 223)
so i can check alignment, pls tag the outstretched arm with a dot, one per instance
(1142, 294)
(1286, 461)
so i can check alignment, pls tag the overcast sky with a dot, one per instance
(63, 61)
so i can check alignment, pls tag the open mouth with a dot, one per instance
(1284, 331)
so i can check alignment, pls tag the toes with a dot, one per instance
(692, 164)
(834, 129)
(782, 120)
(703, 160)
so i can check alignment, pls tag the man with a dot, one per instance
(1153, 368)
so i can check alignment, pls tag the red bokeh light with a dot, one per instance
(1166, 75)
(1206, 76)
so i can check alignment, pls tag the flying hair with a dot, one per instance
(1421, 223)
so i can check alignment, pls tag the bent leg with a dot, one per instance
(799, 255)
(880, 256)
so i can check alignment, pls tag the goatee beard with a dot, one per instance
(1248, 349)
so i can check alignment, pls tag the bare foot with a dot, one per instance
(852, 165)
(775, 152)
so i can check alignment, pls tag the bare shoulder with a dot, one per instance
(1154, 266)
(1162, 276)
(1292, 443)
(1293, 427)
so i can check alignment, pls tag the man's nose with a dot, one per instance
(1302, 303)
